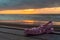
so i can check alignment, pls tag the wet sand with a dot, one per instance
(17, 25)
(14, 34)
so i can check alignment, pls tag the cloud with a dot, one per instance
(25, 4)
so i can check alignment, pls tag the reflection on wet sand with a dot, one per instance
(30, 22)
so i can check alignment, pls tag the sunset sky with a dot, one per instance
(29, 6)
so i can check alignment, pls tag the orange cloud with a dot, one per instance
(54, 10)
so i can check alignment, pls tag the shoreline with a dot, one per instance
(21, 25)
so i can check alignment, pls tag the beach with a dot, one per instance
(12, 28)
(17, 34)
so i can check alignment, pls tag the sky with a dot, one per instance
(29, 6)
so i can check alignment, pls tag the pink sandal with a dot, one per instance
(47, 28)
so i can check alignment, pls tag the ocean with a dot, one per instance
(43, 17)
